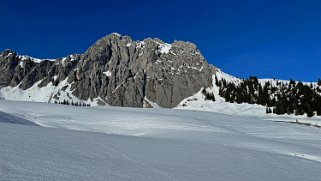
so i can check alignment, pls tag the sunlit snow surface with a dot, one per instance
(152, 144)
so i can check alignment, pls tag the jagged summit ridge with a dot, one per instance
(115, 70)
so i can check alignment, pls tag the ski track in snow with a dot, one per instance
(113, 143)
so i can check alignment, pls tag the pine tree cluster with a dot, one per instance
(66, 102)
(279, 97)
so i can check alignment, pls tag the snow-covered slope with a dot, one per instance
(198, 102)
(153, 144)
(49, 93)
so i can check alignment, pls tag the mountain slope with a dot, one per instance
(254, 96)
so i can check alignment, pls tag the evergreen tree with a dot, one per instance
(292, 82)
(227, 96)
(268, 110)
(217, 83)
(318, 104)
(208, 96)
(309, 111)
(54, 82)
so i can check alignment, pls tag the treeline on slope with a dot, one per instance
(279, 98)
(66, 102)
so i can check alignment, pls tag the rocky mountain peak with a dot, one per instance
(118, 71)
(7, 53)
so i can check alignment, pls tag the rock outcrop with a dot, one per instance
(118, 71)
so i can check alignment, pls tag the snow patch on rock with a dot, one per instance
(107, 73)
(164, 48)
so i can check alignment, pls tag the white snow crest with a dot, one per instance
(115, 33)
(164, 48)
(36, 60)
(229, 78)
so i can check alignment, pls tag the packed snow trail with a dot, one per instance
(153, 144)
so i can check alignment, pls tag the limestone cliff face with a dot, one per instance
(118, 71)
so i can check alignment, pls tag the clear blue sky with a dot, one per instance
(267, 38)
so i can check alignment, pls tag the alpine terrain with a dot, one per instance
(119, 71)
(217, 128)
